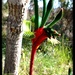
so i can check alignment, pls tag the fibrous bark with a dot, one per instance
(17, 13)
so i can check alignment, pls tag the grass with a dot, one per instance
(49, 59)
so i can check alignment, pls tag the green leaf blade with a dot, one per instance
(57, 18)
(44, 9)
(49, 8)
(36, 13)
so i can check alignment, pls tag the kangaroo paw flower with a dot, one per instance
(40, 36)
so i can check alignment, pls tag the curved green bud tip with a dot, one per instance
(50, 5)
(57, 18)
(59, 15)
(51, 32)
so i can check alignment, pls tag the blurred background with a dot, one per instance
(52, 59)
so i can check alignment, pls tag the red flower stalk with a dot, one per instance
(40, 36)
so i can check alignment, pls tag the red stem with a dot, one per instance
(40, 36)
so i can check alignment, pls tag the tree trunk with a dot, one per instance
(17, 13)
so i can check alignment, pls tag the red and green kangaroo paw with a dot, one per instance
(42, 31)
(40, 36)
(51, 32)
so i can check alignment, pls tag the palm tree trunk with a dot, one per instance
(17, 13)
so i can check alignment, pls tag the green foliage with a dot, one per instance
(4, 13)
(45, 15)
(4, 20)
(3, 44)
(26, 25)
(4, 6)
(52, 59)
(28, 34)
(57, 18)
(70, 71)
(33, 20)
(36, 14)
(48, 10)
(44, 9)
